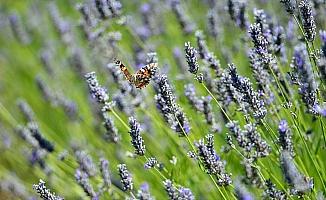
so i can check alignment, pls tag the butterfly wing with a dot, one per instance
(125, 71)
(144, 75)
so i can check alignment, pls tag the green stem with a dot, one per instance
(219, 105)
(200, 161)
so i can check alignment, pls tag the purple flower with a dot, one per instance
(299, 183)
(82, 179)
(126, 178)
(136, 138)
(96, 90)
(45, 193)
(289, 5)
(308, 21)
(191, 58)
(211, 161)
(242, 192)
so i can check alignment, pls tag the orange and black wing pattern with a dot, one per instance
(144, 75)
(125, 71)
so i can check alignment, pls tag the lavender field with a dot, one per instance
(163, 99)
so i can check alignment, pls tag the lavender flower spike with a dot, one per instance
(136, 139)
(126, 178)
(289, 5)
(99, 93)
(82, 179)
(300, 183)
(170, 189)
(45, 193)
(104, 168)
(211, 161)
(285, 138)
(308, 20)
(191, 58)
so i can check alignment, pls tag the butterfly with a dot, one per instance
(142, 77)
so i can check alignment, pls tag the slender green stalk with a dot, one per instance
(219, 105)
(200, 161)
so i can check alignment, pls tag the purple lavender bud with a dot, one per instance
(104, 168)
(85, 162)
(111, 131)
(173, 114)
(249, 139)
(6, 140)
(18, 29)
(302, 75)
(145, 8)
(11, 184)
(114, 38)
(26, 135)
(171, 189)
(126, 178)
(68, 106)
(242, 192)
(250, 99)
(114, 7)
(242, 18)
(211, 161)
(82, 180)
(45, 57)
(86, 12)
(97, 92)
(260, 41)
(262, 149)
(298, 181)
(143, 32)
(143, 193)
(261, 18)
(179, 58)
(76, 60)
(201, 43)
(236, 10)
(252, 173)
(43, 143)
(321, 109)
(165, 89)
(283, 126)
(181, 124)
(289, 5)
(151, 162)
(278, 40)
(26, 110)
(262, 76)
(136, 138)
(196, 102)
(185, 23)
(35, 156)
(231, 8)
(291, 30)
(205, 54)
(191, 58)
(272, 192)
(308, 21)
(323, 36)
(212, 23)
(63, 27)
(45, 90)
(186, 194)
(101, 6)
(45, 193)
(208, 110)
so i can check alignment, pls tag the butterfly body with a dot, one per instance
(142, 77)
